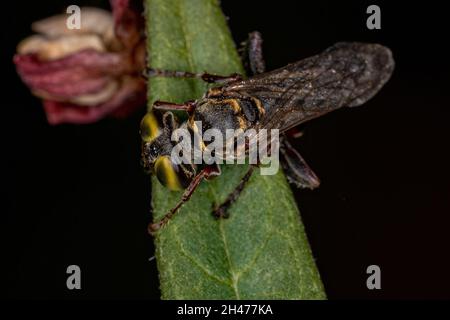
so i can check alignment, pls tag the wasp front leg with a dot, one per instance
(204, 174)
(188, 106)
(251, 55)
(205, 76)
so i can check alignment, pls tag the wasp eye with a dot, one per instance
(149, 127)
(173, 176)
(154, 150)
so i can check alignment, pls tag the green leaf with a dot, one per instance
(261, 251)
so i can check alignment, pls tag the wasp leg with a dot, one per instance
(296, 169)
(252, 54)
(207, 77)
(294, 133)
(221, 210)
(188, 106)
(203, 174)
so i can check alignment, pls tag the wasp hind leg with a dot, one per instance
(295, 167)
(221, 211)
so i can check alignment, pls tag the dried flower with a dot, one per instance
(86, 74)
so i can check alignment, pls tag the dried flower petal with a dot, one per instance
(126, 100)
(128, 22)
(93, 21)
(85, 75)
(98, 97)
(80, 73)
(52, 49)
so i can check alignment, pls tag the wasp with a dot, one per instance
(344, 75)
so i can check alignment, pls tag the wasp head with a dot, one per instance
(157, 146)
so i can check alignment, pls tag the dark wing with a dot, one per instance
(346, 74)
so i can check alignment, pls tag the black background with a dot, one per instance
(77, 194)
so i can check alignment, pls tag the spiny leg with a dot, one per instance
(188, 106)
(203, 174)
(207, 77)
(221, 210)
(296, 169)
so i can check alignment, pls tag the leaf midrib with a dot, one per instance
(234, 277)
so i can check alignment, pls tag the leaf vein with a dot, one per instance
(195, 262)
